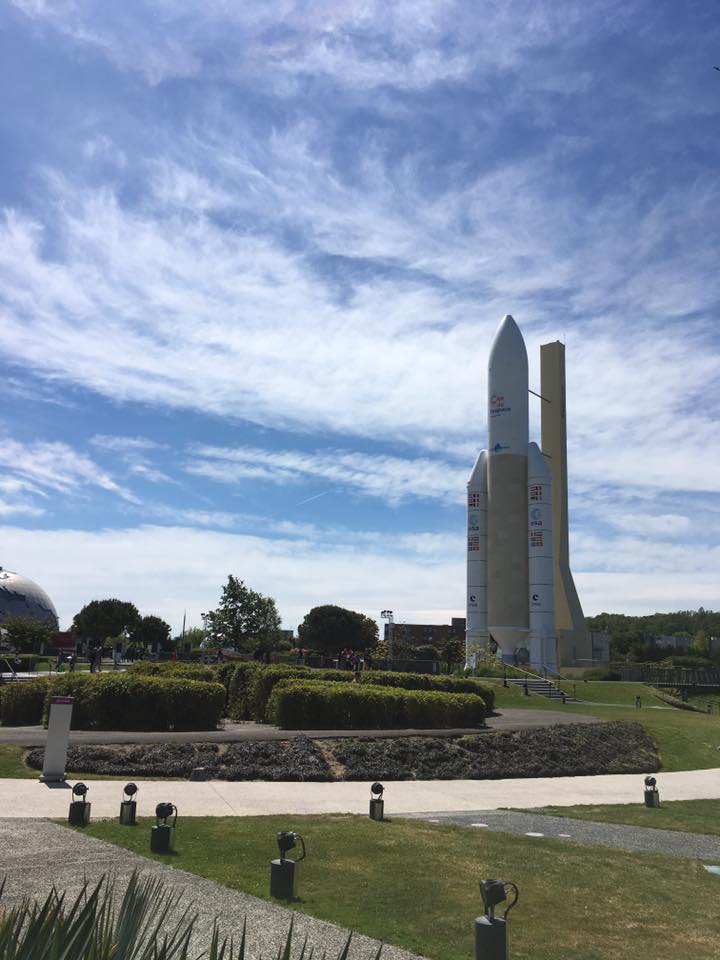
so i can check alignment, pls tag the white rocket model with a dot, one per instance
(476, 634)
(509, 550)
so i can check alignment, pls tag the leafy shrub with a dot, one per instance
(122, 701)
(309, 704)
(261, 680)
(425, 652)
(428, 681)
(264, 679)
(179, 669)
(22, 702)
(239, 683)
(601, 673)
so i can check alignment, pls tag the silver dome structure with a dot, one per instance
(21, 597)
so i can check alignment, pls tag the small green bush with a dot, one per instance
(264, 680)
(239, 683)
(428, 681)
(22, 702)
(307, 704)
(601, 673)
(121, 701)
(177, 669)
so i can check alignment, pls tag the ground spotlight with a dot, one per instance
(377, 804)
(128, 805)
(162, 835)
(284, 872)
(491, 931)
(652, 794)
(79, 813)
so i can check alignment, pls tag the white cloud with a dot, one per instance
(56, 467)
(167, 570)
(391, 478)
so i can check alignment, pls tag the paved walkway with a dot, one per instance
(508, 720)
(34, 856)
(671, 843)
(215, 798)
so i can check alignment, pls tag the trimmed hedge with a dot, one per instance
(428, 681)
(318, 705)
(21, 702)
(258, 682)
(239, 679)
(177, 669)
(117, 701)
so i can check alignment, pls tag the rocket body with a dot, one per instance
(541, 599)
(476, 634)
(507, 516)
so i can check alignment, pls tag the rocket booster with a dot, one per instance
(476, 634)
(541, 600)
(507, 530)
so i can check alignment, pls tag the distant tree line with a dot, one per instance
(633, 638)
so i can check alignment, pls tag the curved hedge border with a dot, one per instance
(118, 702)
(252, 684)
(318, 705)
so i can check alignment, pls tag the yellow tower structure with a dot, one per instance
(574, 642)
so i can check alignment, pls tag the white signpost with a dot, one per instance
(58, 736)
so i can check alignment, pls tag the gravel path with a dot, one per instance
(230, 732)
(672, 843)
(34, 855)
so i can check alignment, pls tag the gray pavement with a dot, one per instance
(672, 843)
(222, 798)
(36, 855)
(508, 720)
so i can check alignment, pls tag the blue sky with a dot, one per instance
(251, 260)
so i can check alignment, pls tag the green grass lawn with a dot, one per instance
(415, 885)
(11, 763)
(692, 816)
(686, 740)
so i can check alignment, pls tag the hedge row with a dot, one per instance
(251, 685)
(118, 702)
(318, 705)
(177, 669)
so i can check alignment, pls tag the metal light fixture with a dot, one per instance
(652, 794)
(79, 813)
(491, 931)
(377, 804)
(162, 835)
(284, 872)
(128, 805)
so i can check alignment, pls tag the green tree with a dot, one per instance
(193, 637)
(700, 644)
(26, 634)
(151, 631)
(100, 619)
(452, 650)
(328, 629)
(244, 620)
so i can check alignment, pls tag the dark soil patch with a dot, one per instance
(563, 750)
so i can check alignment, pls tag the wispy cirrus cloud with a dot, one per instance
(36, 468)
(393, 479)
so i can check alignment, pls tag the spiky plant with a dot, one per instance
(93, 927)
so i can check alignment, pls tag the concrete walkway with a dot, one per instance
(230, 732)
(30, 798)
(670, 843)
(34, 856)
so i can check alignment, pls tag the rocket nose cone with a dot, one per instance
(537, 464)
(478, 477)
(508, 341)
